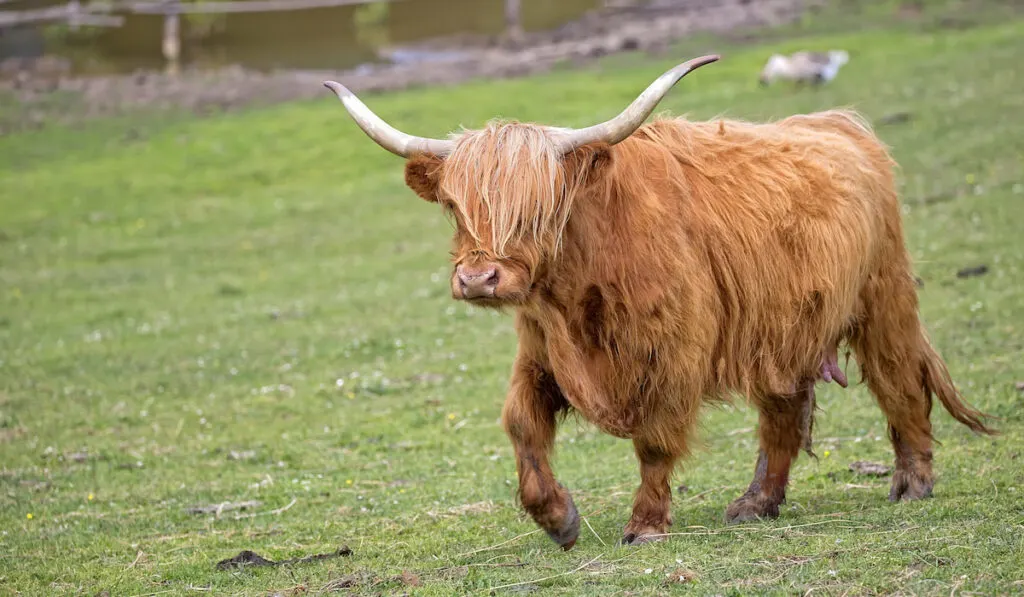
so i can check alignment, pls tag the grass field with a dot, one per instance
(253, 308)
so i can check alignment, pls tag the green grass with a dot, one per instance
(175, 290)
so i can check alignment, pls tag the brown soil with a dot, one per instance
(44, 92)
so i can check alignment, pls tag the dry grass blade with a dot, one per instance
(697, 496)
(272, 512)
(593, 531)
(516, 538)
(138, 557)
(217, 509)
(764, 529)
(546, 578)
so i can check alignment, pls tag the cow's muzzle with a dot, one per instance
(477, 282)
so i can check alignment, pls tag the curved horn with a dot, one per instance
(387, 136)
(630, 119)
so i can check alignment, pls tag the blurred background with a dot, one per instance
(301, 34)
(194, 54)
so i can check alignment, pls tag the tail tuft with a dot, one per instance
(937, 381)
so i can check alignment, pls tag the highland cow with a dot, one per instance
(656, 268)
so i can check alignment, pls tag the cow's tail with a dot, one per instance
(899, 363)
(938, 382)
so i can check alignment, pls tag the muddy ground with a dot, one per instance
(34, 94)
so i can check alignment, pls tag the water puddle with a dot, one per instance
(338, 38)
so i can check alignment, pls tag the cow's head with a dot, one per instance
(509, 187)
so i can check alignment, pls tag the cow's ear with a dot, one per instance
(422, 173)
(589, 163)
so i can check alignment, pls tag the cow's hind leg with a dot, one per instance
(785, 427)
(529, 417)
(890, 350)
(652, 506)
(904, 371)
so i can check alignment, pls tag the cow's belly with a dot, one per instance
(623, 395)
(594, 387)
(786, 327)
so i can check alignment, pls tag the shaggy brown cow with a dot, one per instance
(654, 269)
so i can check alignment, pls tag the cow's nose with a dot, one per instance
(476, 283)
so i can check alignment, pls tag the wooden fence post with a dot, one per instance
(513, 20)
(74, 9)
(172, 34)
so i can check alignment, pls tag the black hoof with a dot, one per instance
(751, 507)
(570, 530)
(909, 487)
(640, 538)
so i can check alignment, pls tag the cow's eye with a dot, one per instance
(449, 213)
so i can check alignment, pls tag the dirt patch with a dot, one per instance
(51, 95)
(249, 558)
(410, 579)
(680, 576)
(9, 434)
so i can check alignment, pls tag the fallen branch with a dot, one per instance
(251, 558)
(97, 13)
(74, 15)
(246, 6)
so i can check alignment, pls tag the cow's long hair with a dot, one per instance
(508, 180)
(758, 246)
(654, 269)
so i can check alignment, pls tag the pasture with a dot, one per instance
(253, 308)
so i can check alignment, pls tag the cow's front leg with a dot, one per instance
(533, 402)
(652, 507)
(785, 427)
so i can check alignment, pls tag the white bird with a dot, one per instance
(804, 67)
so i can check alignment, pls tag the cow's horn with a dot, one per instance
(633, 116)
(384, 134)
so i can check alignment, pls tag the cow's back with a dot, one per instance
(789, 217)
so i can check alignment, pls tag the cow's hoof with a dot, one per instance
(640, 538)
(565, 536)
(907, 486)
(638, 534)
(751, 507)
